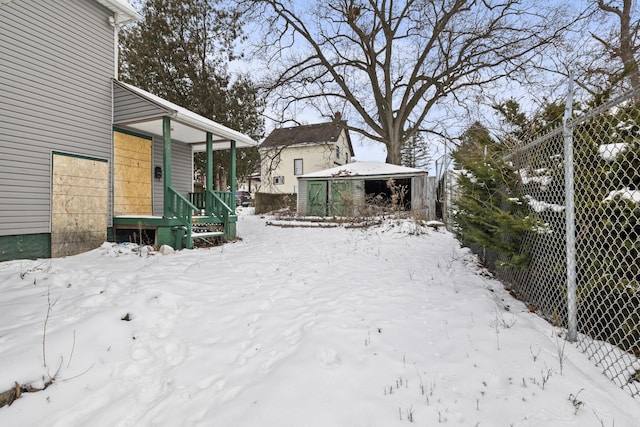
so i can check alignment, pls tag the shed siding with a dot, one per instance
(129, 106)
(418, 194)
(181, 172)
(423, 195)
(302, 197)
(44, 47)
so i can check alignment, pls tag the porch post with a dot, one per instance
(232, 174)
(166, 164)
(209, 172)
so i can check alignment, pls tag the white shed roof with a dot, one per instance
(365, 169)
(186, 126)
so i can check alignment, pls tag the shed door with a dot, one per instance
(342, 198)
(79, 204)
(317, 198)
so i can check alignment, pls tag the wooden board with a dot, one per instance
(79, 204)
(132, 182)
(317, 198)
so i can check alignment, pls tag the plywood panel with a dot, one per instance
(131, 175)
(79, 204)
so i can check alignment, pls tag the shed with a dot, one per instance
(363, 188)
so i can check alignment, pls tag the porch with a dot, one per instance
(164, 206)
(191, 220)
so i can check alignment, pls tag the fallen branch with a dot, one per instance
(9, 396)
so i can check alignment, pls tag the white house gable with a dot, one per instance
(291, 152)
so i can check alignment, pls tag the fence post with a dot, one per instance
(570, 215)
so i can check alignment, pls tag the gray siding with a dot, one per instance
(302, 197)
(423, 195)
(419, 193)
(129, 106)
(181, 171)
(56, 63)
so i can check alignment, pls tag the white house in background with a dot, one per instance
(294, 151)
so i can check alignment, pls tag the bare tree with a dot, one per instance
(602, 52)
(623, 41)
(388, 65)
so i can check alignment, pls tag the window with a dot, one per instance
(278, 180)
(297, 167)
(337, 151)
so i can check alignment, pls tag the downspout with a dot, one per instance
(113, 21)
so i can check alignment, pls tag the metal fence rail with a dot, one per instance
(604, 237)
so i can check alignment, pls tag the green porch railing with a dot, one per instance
(221, 206)
(182, 209)
(226, 198)
(198, 199)
(222, 203)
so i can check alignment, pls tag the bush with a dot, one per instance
(267, 202)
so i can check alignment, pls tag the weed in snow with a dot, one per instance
(500, 322)
(535, 353)
(577, 404)
(561, 352)
(613, 422)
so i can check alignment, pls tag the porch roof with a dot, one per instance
(186, 126)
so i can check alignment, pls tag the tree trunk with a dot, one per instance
(394, 150)
(626, 48)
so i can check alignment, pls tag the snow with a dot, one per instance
(610, 152)
(626, 194)
(290, 327)
(364, 169)
(540, 177)
(541, 206)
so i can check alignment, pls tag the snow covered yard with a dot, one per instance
(289, 327)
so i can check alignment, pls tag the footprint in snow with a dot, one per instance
(330, 358)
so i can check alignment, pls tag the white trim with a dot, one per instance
(124, 11)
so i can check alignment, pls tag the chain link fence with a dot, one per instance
(584, 273)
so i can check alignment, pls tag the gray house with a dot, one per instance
(85, 158)
(357, 188)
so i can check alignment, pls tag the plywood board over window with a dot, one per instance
(132, 182)
(79, 204)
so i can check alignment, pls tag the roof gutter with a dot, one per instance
(123, 12)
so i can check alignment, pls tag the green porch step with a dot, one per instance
(207, 230)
